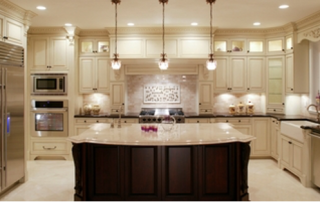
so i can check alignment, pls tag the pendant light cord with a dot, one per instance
(116, 22)
(211, 27)
(163, 44)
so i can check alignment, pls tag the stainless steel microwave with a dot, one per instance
(49, 84)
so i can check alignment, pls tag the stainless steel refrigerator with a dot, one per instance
(12, 146)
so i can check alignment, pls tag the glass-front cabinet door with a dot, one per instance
(255, 46)
(94, 46)
(275, 92)
(235, 46)
(275, 46)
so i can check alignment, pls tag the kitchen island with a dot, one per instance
(187, 162)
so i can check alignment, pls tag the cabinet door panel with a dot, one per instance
(86, 75)
(221, 74)
(297, 157)
(237, 68)
(14, 32)
(40, 53)
(59, 52)
(102, 75)
(256, 74)
(285, 152)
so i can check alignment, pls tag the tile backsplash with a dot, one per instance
(188, 91)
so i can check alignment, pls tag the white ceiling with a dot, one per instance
(98, 14)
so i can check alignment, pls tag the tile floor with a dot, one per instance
(54, 181)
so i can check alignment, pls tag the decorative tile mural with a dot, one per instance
(161, 93)
(135, 92)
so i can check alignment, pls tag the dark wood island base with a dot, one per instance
(192, 172)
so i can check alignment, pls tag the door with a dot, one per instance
(12, 120)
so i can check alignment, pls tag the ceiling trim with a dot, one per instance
(15, 12)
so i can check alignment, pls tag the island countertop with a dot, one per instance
(180, 134)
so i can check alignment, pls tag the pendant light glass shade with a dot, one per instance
(116, 63)
(163, 62)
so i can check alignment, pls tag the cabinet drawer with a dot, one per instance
(206, 111)
(275, 110)
(234, 121)
(45, 147)
(128, 120)
(93, 120)
(197, 120)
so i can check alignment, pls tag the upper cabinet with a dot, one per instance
(94, 75)
(239, 46)
(230, 75)
(11, 31)
(94, 47)
(48, 53)
(289, 43)
(275, 46)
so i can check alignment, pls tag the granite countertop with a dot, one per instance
(180, 134)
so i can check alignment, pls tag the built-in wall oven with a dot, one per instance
(49, 84)
(49, 118)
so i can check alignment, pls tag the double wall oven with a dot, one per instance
(49, 118)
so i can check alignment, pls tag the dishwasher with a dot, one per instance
(315, 158)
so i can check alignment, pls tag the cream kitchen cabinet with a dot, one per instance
(125, 121)
(94, 75)
(260, 147)
(255, 74)
(94, 47)
(48, 53)
(117, 97)
(275, 84)
(82, 124)
(275, 135)
(289, 43)
(291, 155)
(255, 46)
(230, 75)
(276, 46)
(205, 97)
(11, 31)
(297, 69)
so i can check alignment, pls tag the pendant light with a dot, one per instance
(211, 63)
(163, 62)
(116, 63)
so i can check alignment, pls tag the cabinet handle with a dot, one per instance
(48, 148)
(199, 103)
(227, 121)
(291, 89)
(125, 121)
(197, 121)
(85, 121)
(282, 103)
(5, 38)
(248, 88)
(273, 121)
(206, 110)
(94, 88)
(291, 48)
(239, 121)
(97, 121)
(290, 142)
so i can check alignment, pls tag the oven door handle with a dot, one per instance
(49, 110)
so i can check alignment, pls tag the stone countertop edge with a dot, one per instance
(279, 117)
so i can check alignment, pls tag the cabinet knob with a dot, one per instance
(290, 142)
(283, 50)
(291, 89)
(227, 121)
(199, 103)
(197, 121)
(248, 51)
(248, 88)
(274, 110)
(291, 48)
(206, 110)
(239, 121)
(97, 121)
(85, 121)
(125, 121)
(282, 103)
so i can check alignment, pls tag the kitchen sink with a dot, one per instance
(292, 129)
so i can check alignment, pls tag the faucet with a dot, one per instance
(315, 106)
(119, 120)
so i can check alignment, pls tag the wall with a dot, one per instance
(97, 98)
(222, 102)
(188, 92)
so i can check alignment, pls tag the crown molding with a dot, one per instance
(47, 30)
(94, 32)
(15, 12)
(158, 30)
(308, 21)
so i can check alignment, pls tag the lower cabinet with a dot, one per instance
(49, 148)
(190, 172)
(260, 147)
(291, 155)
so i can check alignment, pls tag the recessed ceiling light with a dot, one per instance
(283, 6)
(68, 24)
(256, 23)
(130, 24)
(194, 24)
(41, 8)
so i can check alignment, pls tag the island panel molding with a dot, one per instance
(169, 93)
